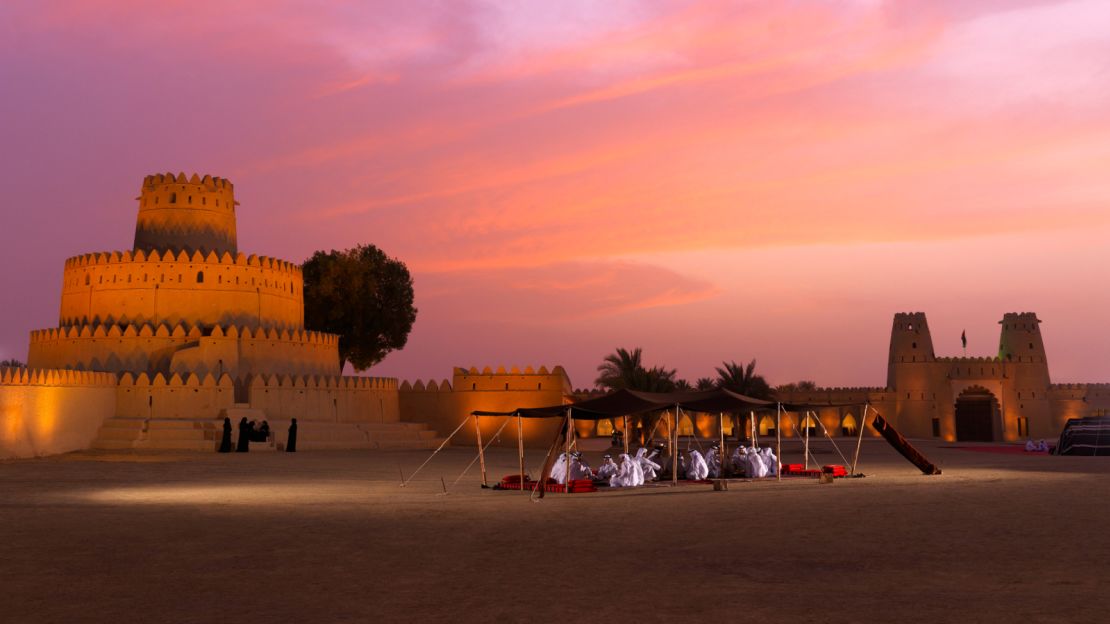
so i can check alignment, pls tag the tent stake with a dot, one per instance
(481, 451)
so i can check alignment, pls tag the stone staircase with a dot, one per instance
(204, 435)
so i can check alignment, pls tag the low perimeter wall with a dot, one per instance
(46, 412)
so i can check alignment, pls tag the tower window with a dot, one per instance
(1030, 345)
(86, 280)
(506, 386)
(203, 201)
(200, 277)
(173, 198)
(190, 199)
(913, 345)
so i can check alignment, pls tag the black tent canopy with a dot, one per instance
(622, 402)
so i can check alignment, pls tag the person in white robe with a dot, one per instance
(648, 467)
(607, 469)
(559, 469)
(698, 470)
(770, 462)
(626, 472)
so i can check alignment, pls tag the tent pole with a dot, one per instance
(808, 418)
(520, 449)
(721, 455)
(625, 434)
(778, 440)
(754, 440)
(674, 445)
(481, 451)
(570, 434)
(859, 438)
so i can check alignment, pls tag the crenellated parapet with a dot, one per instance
(195, 288)
(182, 348)
(10, 376)
(182, 330)
(431, 386)
(180, 257)
(513, 378)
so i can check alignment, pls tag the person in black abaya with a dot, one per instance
(244, 436)
(291, 444)
(225, 441)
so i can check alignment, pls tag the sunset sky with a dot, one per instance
(709, 181)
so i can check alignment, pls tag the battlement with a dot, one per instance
(54, 377)
(986, 359)
(105, 258)
(316, 382)
(431, 386)
(514, 370)
(182, 331)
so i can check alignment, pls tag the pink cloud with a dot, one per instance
(523, 153)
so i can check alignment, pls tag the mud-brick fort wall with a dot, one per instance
(443, 405)
(45, 412)
(305, 397)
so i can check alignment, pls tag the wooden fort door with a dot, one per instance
(975, 418)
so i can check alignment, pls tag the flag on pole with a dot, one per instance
(963, 338)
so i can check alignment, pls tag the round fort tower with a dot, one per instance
(179, 214)
(184, 300)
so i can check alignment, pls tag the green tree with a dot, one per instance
(364, 296)
(743, 379)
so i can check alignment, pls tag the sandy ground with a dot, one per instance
(330, 536)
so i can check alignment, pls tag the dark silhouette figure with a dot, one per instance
(291, 444)
(244, 436)
(225, 441)
(264, 432)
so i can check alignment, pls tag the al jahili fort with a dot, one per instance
(155, 345)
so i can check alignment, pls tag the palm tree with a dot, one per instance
(705, 383)
(13, 363)
(624, 369)
(683, 386)
(619, 369)
(743, 379)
